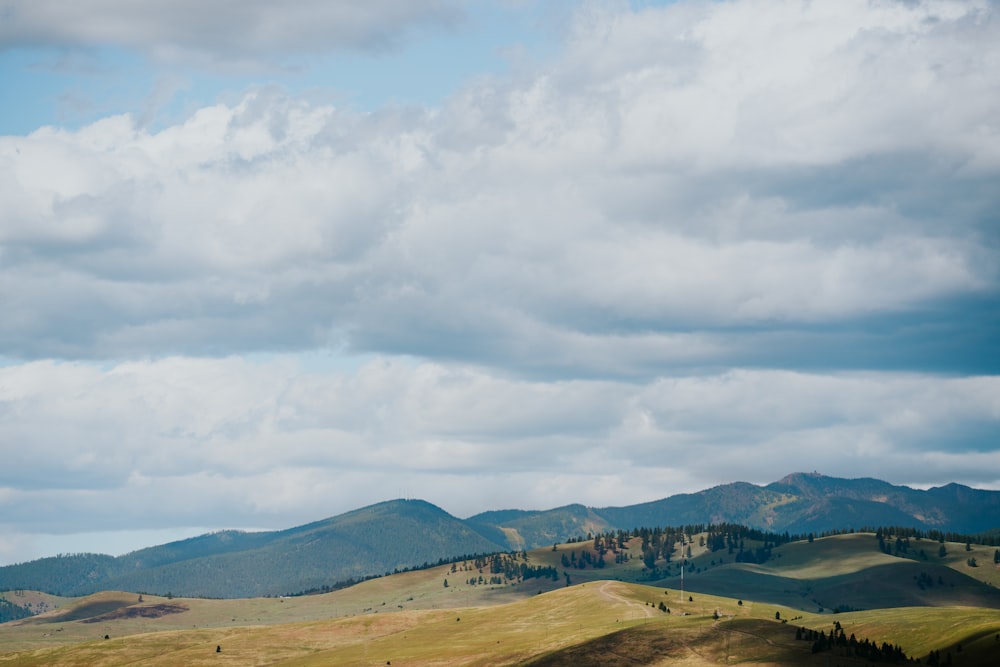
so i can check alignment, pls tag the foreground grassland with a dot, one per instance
(604, 622)
(607, 616)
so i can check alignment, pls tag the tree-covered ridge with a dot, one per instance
(56, 574)
(374, 540)
(515, 567)
(10, 611)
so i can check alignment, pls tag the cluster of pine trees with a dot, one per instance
(902, 532)
(660, 543)
(613, 542)
(587, 559)
(503, 568)
(863, 648)
(934, 659)
(12, 612)
(925, 581)
(896, 542)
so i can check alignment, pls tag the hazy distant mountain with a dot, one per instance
(739, 502)
(799, 503)
(402, 534)
(825, 503)
(393, 535)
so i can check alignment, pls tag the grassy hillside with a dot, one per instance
(596, 623)
(843, 572)
(725, 615)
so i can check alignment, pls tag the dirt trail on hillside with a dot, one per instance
(611, 595)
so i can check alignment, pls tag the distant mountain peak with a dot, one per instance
(796, 476)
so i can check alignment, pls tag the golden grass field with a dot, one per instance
(412, 619)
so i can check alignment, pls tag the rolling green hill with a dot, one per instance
(412, 619)
(844, 572)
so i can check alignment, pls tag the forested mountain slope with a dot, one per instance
(403, 534)
(799, 503)
(398, 534)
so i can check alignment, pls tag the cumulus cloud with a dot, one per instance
(590, 208)
(226, 31)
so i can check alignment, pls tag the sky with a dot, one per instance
(264, 263)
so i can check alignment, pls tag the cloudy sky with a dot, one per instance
(262, 263)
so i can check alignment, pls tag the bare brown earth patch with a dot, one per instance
(80, 612)
(145, 611)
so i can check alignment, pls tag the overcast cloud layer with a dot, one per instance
(703, 242)
(221, 31)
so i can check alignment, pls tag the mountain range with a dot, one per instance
(405, 534)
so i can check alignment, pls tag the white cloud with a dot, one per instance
(765, 83)
(597, 200)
